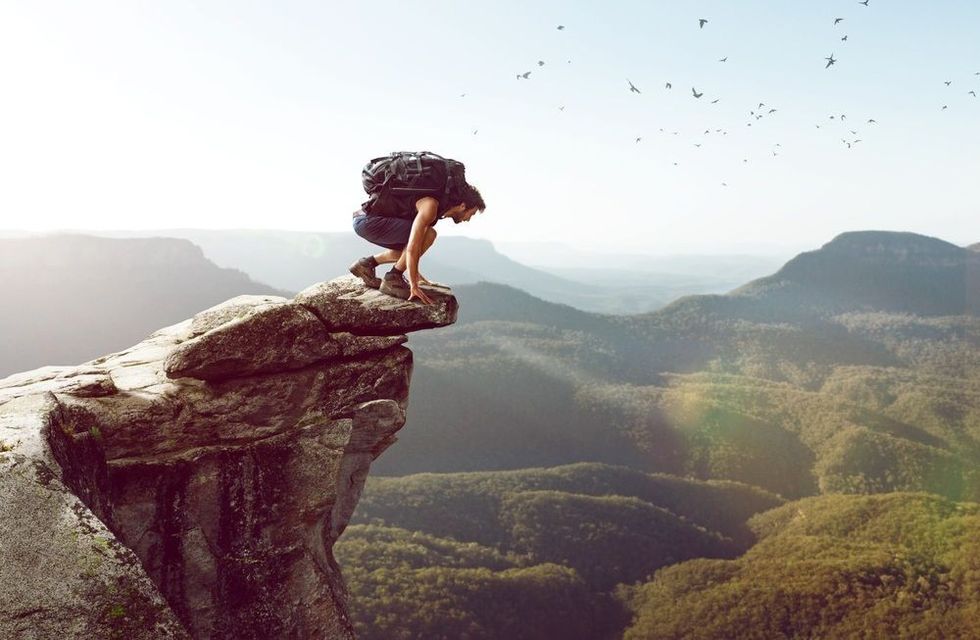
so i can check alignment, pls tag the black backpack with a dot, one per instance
(396, 181)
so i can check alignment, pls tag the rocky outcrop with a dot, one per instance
(194, 484)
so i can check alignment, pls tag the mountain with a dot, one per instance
(69, 298)
(876, 270)
(292, 259)
(826, 394)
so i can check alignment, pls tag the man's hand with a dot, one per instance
(417, 292)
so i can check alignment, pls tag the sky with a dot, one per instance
(177, 114)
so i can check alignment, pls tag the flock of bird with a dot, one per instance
(757, 113)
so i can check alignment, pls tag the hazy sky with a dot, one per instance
(261, 114)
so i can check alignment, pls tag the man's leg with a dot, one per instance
(401, 261)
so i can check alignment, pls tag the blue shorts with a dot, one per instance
(390, 233)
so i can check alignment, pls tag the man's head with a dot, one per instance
(471, 202)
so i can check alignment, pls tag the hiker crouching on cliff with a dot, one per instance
(401, 219)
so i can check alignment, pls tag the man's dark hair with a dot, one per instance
(471, 197)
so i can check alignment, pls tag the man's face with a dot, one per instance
(461, 214)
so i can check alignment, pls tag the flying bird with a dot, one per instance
(540, 63)
(864, 2)
(638, 139)
(462, 95)
(830, 60)
(944, 107)
(972, 93)
(872, 121)
(772, 111)
(715, 100)
(725, 59)
(474, 131)
(696, 144)
(843, 39)
(632, 88)
(668, 85)
(695, 92)
(701, 23)
(948, 82)
(560, 27)
(836, 20)
(561, 108)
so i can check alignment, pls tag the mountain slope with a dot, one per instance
(71, 298)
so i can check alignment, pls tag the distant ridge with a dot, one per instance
(876, 270)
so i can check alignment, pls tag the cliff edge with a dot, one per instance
(193, 485)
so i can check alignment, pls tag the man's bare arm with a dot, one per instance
(428, 209)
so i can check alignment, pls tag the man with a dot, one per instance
(406, 239)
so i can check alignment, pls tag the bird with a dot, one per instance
(540, 63)
(945, 107)
(707, 131)
(632, 88)
(723, 184)
(701, 23)
(638, 139)
(830, 60)
(772, 111)
(973, 93)
(818, 126)
(524, 75)
(843, 39)
(843, 117)
(462, 95)
(560, 27)
(761, 104)
(715, 100)
(695, 92)
(948, 82)
(745, 159)
(853, 132)
(561, 108)
(872, 121)
(836, 20)
(668, 85)
(474, 131)
(725, 59)
(864, 2)
(697, 145)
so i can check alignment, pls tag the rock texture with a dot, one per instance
(194, 484)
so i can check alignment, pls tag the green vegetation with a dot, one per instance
(506, 554)
(848, 382)
(405, 585)
(899, 565)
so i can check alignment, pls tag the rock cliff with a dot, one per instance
(193, 485)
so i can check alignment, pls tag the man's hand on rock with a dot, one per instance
(416, 292)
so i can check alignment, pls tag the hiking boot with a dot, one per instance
(395, 284)
(363, 270)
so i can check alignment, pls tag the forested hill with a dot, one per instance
(876, 270)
